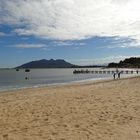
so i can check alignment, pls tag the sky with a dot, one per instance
(83, 32)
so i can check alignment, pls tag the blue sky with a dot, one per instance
(81, 32)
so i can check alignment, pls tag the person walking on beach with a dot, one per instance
(119, 75)
(114, 75)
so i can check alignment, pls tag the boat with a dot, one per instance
(27, 70)
(17, 69)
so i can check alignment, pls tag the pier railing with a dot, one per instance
(105, 71)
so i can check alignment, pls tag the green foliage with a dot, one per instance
(133, 62)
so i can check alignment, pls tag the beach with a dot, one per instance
(103, 110)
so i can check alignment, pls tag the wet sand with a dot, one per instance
(107, 110)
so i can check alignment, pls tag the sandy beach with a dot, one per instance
(107, 110)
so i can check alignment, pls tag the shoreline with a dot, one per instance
(72, 83)
(56, 84)
(107, 109)
(46, 83)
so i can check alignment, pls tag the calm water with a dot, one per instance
(12, 79)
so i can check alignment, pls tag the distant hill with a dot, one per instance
(133, 62)
(47, 64)
(59, 63)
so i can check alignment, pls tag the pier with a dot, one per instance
(105, 71)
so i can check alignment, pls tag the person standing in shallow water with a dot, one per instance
(119, 75)
(114, 75)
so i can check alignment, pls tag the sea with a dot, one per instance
(10, 79)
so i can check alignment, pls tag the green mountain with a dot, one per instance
(133, 62)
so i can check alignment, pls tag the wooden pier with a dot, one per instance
(105, 71)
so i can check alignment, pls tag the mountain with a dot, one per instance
(59, 63)
(133, 62)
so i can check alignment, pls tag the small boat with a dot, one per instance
(17, 69)
(27, 70)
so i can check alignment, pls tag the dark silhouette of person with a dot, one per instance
(119, 75)
(114, 75)
(137, 71)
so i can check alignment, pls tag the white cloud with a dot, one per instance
(73, 19)
(28, 46)
(134, 44)
(68, 43)
(124, 43)
(101, 61)
(62, 43)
